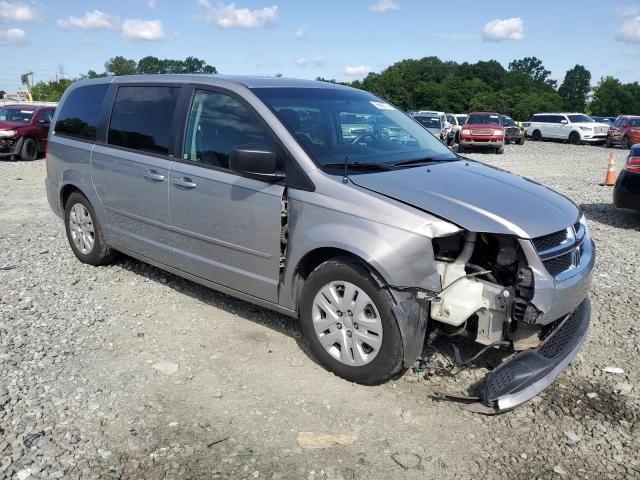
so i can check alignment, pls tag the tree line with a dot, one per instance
(520, 90)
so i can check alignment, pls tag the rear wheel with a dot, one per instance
(536, 135)
(29, 150)
(84, 232)
(349, 323)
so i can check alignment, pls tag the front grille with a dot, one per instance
(552, 240)
(559, 264)
(512, 130)
(482, 132)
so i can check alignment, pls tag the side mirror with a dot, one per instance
(254, 160)
(564, 122)
(44, 123)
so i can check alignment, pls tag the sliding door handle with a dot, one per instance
(184, 182)
(153, 175)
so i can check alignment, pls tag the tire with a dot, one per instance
(321, 305)
(607, 142)
(460, 149)
(84, 232)
(626, 144)
(29, 150)
(536, 136)
(521, 141)
(500, 150)
(574, 138)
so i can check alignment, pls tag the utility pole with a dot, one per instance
(27, 80)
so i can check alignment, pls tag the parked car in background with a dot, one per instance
(625, 131)
(435, 122)
(626, 192)
(250, 189)
(608, 120)
(576, 128)
(24, 130)
(461, 118)
(512, 131)
(454, 132)
(482, 130)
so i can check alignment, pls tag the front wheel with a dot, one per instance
(626, 143)
(29, 150)
(536, 135)
(521, 141)
(574, 138)
(349, 323)
(84, 232)
(500, 150)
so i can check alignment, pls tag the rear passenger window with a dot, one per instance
(80, 112)
(217, 124)
(141, 118)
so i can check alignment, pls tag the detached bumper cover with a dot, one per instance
(532, 371)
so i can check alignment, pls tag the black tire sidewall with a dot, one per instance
(24, 149)
(388, 362)
(100, 251)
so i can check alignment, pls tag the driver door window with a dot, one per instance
(218, 123)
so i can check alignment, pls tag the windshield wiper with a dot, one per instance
(361, 166)
(422, 161)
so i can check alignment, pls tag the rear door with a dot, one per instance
(131, 169)
(228, 226)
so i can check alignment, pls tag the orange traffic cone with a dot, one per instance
(610, 179)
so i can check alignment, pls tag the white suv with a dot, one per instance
(574, 127)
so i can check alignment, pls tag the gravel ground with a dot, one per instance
(129, 372)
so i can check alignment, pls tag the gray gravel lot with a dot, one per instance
(129, 372)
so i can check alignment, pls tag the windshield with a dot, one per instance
(579, 119)
(483, 118)
(15, 115)
(334, 125)
(429, 122)
(508, 121)
(461, 119)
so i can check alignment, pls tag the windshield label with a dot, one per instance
(382, 106)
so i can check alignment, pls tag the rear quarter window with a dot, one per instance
(80, 112)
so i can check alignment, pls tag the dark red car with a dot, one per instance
(625, 131)
(482, 130)
(24, 130)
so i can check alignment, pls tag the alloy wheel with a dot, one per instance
(81, 228)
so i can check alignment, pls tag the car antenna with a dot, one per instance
(345, 179)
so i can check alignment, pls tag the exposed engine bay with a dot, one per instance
(486, 284)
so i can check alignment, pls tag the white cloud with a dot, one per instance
(508, 29)
(143, 30)
(381, 6)
(629, 31)
(152, 3)
(19, 12)
(13, 36)
(93, 20)
(310, 61)
(229, 16)
(300, 33)
(629, 11)
(357, 71)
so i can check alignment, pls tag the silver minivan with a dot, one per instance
(378, 240)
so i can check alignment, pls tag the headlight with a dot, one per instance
(7, 133)
(466, 131)
(498, 132)
(585, 227)
(586, 129)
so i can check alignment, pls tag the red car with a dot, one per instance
(625, 131)
(482, 130)
(24, 130)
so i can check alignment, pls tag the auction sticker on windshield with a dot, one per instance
(382, 106)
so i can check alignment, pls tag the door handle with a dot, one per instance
(184, 182)
(153, 175)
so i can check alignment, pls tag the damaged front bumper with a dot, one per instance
(10, 147)
(518, 380)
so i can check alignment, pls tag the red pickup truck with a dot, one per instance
(24, 130)
(482, 130)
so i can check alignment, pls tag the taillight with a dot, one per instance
(632, 164)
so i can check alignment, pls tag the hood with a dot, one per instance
(435, 131)
(477, 197)
(4, 125)
(482, 126)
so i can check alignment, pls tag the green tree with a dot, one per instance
(533, 67)
(50, 91)
(120, 66)
(150, 65)
(611, 98)
(2, 93)
(575, 88)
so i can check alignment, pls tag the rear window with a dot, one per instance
(141, 118)
(80, 112)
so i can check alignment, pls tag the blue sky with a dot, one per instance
(331, 38)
